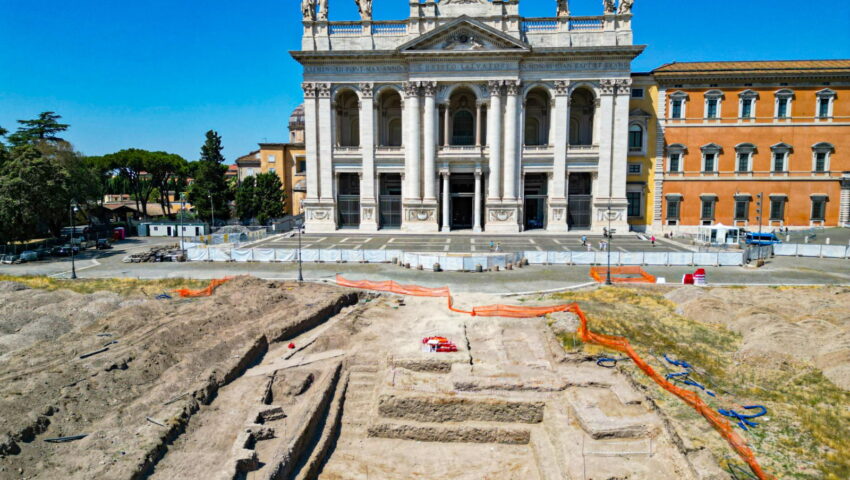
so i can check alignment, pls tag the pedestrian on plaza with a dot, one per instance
(653, 240)
(492, 246)
(602, 245)
(498, 247)
(584, 240)
(589, 247)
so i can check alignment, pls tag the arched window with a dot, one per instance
(582, 112)
(463, 132)
(394, 133)
(537, 106)
(635, 138)
(347, 119)
(389, 118)
(532, 131)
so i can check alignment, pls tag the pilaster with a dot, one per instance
(429, 89)
(368, 201)
(844, 215)
(609, 204)
(494, 140)
(319, 207)
(511, 139)
(557, 214)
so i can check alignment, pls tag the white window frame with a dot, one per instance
(818, 198)
(298, 159)
(783, 149)
(635, 164)
(676, 149)
(711, 148)
(788, 94)
(707, 198)
(747, 149)
(677, 199)
(640, 190)
(783, 201)
(271, 158)
(825, 148)
(751, 95)
(679, 95)
(638, 89)
(828, 95)
(642, 150)
(713, 95)
(748, 200)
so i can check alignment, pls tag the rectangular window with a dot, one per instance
(818, 208)
(672, 209)
(677, 109)
(634, 169)
(820, 162)
(708, 209)
(675, 160)
(709, 163)
(778, 162)
(782, 108)
(743, 162)
(634, 199)
(711, 108)
(747, 108)
(272, 170)
(823, 108)
(302, 166)
(777, 210)
(635, 139)
(272, 159)
(637, 93)
(742, 210)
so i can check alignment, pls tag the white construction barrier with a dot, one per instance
(602, 258)
(198, 254)
(655, 258)
(391, 254)
(559, 258)
(583, 258)
(631, 258)
(309, 255)
(427, 261)
(242, 255)
(285, 255)
(264, 255)
(705, 259)
(375, 256)
(680, 258)
(352, 255)
(730, 259)
(220, 254)
(808, 250)
(451, 264)
(833, 251)
(536, 258)
(785, 249)
(330, 255)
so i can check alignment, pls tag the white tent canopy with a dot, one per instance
(719, 234)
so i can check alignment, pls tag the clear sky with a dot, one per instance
(157, 74)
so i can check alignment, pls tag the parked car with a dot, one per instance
(65, 250)
(103, 244)
(29, 256)
(762, 239)
(10, 259)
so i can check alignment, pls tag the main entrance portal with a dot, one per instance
(535, 201)
(462, 207)
(580, 201)
(390, 201)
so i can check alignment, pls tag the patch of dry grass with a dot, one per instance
(122, 286)
(806, 434)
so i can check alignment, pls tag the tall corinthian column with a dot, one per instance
(412, 143)
(494, 140)
(511, 139)
(430, 138)
(311, 140)
(326, 190)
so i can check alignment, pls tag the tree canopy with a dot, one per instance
(260, 198)
(45, 127)
(209, 190)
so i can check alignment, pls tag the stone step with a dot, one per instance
(466, 432)
(546, 455)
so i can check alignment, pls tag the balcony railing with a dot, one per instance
(586, 24)
(389, 29)
(540, 25)
(353, 29)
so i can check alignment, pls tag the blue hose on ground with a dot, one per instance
(684, 377)
(163, 296)
(744, 421)
(609, 362)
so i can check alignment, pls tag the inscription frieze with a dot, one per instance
(573, 66)
(321, 69)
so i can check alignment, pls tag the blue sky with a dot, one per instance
(157, 74)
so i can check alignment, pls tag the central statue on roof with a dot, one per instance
(365, 8)
(563, 8)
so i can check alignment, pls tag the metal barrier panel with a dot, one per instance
(391, 254)
(730, 259)
(680, 258)
(655, 258)
(352, 255)
(242, 255)
(705, 259)
(559, 258)
(198, 254)
(309, 255)
(264, 255)
(536, 258)
(808, 250)
(602, 258)
(411, 258)
(452, 264)
(219, 254)
(833, 251)
(375, 256)
(428, 261)
(330, 255)
(785, 249)
(470, 263)
(497, 261)
(631, 258)
(286, 255)
(583, 258)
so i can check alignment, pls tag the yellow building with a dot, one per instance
(645, 143)
(288, 161)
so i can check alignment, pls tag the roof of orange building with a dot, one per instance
(755, 68)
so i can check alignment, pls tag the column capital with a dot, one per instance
(512, 87)
(562, 88)
(367, 89)
(429, 89)
(411, 89)
(324, 90)
(494, 87)
(309, 89)
(607, 86)
(624, 86)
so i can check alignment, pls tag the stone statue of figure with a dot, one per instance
(308, 10)
(608, 5)
(365, 7)
(563, 8)
(323, 10)
(626, 6)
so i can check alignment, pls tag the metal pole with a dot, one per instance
(300, 274)
(212, 214)
(182, 208)
(761, 214)
(73, 231)
(608, 243)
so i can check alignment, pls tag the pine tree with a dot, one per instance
(43, 128)
(209, 193)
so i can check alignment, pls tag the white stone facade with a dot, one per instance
(466, 116)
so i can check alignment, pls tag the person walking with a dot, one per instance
(653, 240)
(584, 240)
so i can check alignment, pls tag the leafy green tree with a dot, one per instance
(81, 184)
(131, 164)
(3, 152)
(163, 169)
(246, 207)
(269, 197)
(44, 128)
(209, 190)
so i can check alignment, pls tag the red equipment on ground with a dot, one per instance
(439, 344)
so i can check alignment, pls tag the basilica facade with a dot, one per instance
(467, 117)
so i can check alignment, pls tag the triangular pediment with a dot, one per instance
(464, 34)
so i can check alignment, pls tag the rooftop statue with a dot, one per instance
(365, 8)
(626, 6)
(563, 8)
(308, 10)
(608, 5)
(323, 10)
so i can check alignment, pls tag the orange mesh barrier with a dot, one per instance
(600, 273)
(620, 344)
(204, 292)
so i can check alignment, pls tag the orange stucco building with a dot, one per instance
(734, 130)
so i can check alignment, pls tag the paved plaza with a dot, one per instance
(458, 243)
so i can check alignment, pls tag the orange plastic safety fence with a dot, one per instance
(204, 292)
(600, 273)
(620, 344)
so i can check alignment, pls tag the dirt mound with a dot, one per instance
(812, 320)
(151, 365)
(12, 287)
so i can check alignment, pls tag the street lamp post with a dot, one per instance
(608, 244)
(182, 209)
(212, 214)
(73, 232)
(298, 224)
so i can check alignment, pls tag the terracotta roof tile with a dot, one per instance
(754, 67)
